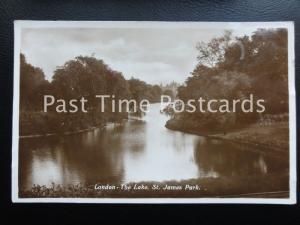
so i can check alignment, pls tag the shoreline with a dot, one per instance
(254, 137)
(74, 132)
(267, 139)
(64, 133)
(77, 131)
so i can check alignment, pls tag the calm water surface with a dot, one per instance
(138, 150)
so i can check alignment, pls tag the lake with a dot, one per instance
(134, 151)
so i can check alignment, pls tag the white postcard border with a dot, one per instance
(19, 25)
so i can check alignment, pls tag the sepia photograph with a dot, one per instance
(154, 112)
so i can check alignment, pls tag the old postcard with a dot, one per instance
(154, 112)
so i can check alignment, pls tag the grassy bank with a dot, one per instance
(274, 137)
(270, 138)
(271, 185)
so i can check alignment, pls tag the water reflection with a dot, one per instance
(226, 159)
(137, 150)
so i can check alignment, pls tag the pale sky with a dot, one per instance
(153, 55)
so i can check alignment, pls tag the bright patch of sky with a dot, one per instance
(150, 54)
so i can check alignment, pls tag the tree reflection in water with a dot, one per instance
(135, 151)
(228, 160)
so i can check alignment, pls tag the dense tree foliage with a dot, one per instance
(32, 85)
(233, 68)
(266, 62)
(81, 77)
(141, 90)
(228, 68)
